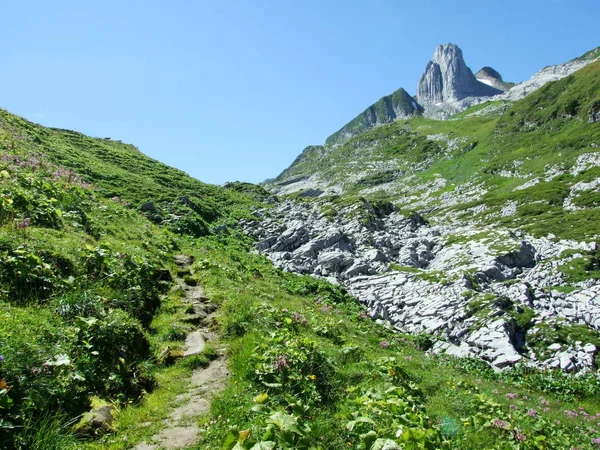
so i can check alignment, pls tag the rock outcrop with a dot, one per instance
(478, 296)
(448, 79)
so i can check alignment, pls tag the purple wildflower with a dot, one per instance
(532, 412)
(570, 414)
(510, 396)
(384, 344)
(499, 423)
(25, 223)
(519, 436)
(596, 441)
(1, 358)
(299, 318)
(282, 362)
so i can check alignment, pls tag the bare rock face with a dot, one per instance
(448, 79)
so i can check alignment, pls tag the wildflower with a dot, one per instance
(596, 441)
(25, 223)
(408, 358)
(532, 412)
(499, 423)
(384, 344)
(546, 410)
(519, 436)
(495, 392)
(544, 402)
(284, 310)
(570, 414)
(513, 407)
(312, 377)
(1, 358)
(282, 362)
(525, 397)
(510, 396)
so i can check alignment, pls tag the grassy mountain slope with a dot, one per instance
(488, 150)
(117, 169)
(83, 272)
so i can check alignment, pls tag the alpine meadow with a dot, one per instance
(427, 278)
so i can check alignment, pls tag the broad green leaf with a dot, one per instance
(230, 439)
(384, 444)
(350, 425)
(285, 422)
(268, 445)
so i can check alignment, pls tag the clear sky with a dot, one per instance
(235, 89)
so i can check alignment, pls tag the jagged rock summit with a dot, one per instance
(448, 79)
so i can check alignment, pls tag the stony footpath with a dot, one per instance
(181, 428)
(481, 292)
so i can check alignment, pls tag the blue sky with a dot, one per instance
(235, 89)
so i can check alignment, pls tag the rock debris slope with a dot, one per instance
(476, 297)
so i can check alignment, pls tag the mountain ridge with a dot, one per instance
(446, 110)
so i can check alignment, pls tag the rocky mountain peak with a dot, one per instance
(448, 79)
(488, 73)
(491, 77)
